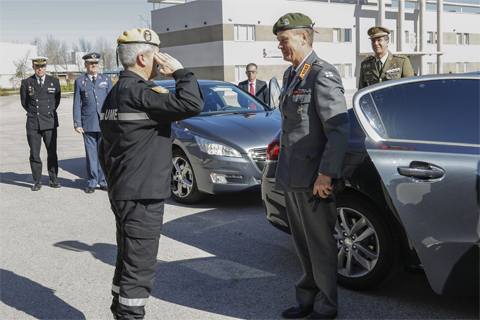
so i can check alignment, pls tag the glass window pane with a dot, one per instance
(336, 35)
(347, 35)
(429, 111)
(465, 38)
(348, 71)
(459, 38)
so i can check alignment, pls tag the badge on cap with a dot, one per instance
(94, 56)
(160, 89)
(147, 35)
(286, 22)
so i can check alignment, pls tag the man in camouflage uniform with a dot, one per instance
(384, 65)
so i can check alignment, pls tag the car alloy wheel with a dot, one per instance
(184, 186)
(368, 251)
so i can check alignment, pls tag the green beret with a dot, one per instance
(375, 32)
(292, 21)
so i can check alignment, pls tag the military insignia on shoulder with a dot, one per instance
(318, 63)
(400, 56)
(160, 89)
(328, 74)
(304, 71)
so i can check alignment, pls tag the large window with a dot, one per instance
(348, 70)
(423, 110)
(240, 73)
(244, 32)
(348, 35)
(430, 37)
(338, 67)
(430, 68)
(336, 35)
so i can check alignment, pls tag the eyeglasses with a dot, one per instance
(251, 72)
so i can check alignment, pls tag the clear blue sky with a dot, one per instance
(68, 20)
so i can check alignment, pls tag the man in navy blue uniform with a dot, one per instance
(40, 96)
(91, 90)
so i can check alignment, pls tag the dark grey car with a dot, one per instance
(222, 150)
(412, 185)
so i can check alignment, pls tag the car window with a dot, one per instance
(224, 98)
(439, 111)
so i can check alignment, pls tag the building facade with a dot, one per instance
(216, 39)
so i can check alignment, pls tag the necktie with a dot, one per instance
(93, 79)
(252, 91)
(379, 66)
(290, 77)
(41, 82)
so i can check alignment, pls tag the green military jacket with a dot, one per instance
(397, 66)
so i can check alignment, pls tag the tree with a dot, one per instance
(103, 47)
(83, 46)
(22, 66)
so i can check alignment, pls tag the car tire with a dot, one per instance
(184, 185)
(368, 248)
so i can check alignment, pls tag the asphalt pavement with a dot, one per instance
(219, 259)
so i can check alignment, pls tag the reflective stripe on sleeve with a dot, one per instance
(115, 289)
(113, 115)
(133, 302)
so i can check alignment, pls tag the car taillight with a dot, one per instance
(273, 150)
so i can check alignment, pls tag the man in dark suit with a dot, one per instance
(40, 96)
(315, 129)
(254, 86)
(90, 91)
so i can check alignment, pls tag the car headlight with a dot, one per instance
(215, 148)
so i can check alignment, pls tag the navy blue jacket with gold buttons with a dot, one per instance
(41, 103)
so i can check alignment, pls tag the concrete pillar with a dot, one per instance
(423, 37)
(401, 26)
(381, 13)
(439, 36)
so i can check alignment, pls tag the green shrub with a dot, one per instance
(68, 88)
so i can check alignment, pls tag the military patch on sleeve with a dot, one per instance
(328, 74)
(160, 89)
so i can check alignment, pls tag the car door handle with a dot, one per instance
(421, 170)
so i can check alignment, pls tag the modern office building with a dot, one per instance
(216, 39)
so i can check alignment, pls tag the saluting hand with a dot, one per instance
(168, 63)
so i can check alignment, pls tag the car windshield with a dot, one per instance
(227, 99)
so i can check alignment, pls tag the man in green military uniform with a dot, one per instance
(384, 65)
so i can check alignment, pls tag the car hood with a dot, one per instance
(236, 130)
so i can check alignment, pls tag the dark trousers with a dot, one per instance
(34, 138)
(139, 224)
(312, 234)
(94, 171)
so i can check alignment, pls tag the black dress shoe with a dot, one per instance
(54, 184)
(104, 188)
(89, 190)
(37, 186)
(300, 311)
(316, 315)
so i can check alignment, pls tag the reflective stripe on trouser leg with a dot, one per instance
(139, 224)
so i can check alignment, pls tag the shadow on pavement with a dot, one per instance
(74, 166)
(242, 273)
(34, 299)
(104, 252)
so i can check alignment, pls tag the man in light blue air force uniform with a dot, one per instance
(90, 92)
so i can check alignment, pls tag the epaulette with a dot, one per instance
(317, 63)
(369, 58)
(400, 56)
